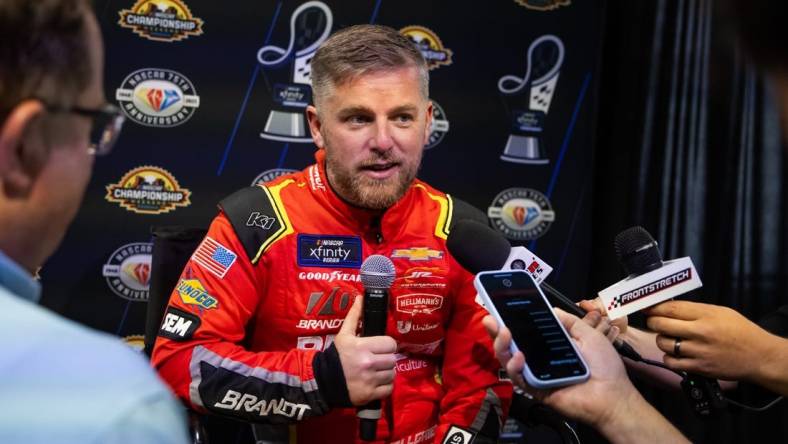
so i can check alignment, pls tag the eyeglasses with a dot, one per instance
(105, 129)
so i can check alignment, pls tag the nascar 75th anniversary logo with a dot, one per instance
(148, 190)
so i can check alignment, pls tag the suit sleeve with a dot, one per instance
(477, 397)
(199, 351)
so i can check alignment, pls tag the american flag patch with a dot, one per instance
(214, 257)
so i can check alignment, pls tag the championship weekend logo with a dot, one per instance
(148, 190)
(135, 342)
(429, 44)
(543, 5)
(128, 271)
(161, 20)
(157, 97)
(521, 213)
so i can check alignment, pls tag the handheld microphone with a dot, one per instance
(377, 275)
(478, 248)
(650, 280)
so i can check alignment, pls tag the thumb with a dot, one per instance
(570, 322)
(350, 325)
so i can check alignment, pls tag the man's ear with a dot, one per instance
(428, 128)
(22, 148)
(315, 126)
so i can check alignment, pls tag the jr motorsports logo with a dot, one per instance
(521, 213)
(429, 44)
(128, 271)
(543, 5)
(148, 190)
(161, 20)
(157, 97)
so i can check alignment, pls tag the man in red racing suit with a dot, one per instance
(249, 330)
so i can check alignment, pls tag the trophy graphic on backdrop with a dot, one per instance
(310, 25)
(544, 60)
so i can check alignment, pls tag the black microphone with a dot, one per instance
(639, 255)
(478, 247)
(377, 275)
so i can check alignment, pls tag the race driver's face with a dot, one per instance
(373, 129)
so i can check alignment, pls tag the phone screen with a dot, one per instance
(548, 352)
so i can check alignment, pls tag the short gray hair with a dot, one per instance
(361, 49)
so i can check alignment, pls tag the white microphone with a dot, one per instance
(650, 280)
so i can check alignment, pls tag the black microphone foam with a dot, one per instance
(637, 251)
(477, 247)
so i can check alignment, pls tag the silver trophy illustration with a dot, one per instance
(310, 25)
(544, 60)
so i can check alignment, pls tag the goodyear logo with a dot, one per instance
(161, 20)
(193, 293)
(429, 44)
(417, 253)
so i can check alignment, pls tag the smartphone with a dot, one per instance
(514, 299)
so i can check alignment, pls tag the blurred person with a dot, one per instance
(61, 382)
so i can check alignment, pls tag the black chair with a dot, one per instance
(172, 247)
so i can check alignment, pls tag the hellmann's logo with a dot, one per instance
(419, 303)
(656, 286)
(249, 403)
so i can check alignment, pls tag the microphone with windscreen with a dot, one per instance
(650, 280)
(377, 275)
(478, 248)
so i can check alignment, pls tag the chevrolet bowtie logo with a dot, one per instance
(417, 254)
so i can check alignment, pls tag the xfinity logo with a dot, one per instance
(329, 254)
(329, 251)
(249, 403)
(257, 219)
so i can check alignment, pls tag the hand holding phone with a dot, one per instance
(514, 299)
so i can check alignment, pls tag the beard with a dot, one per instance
(358, 189)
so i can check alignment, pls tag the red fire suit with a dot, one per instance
(249, 328)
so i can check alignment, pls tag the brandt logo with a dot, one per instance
(236, 401)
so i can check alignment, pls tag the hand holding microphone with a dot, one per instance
(367, 362)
